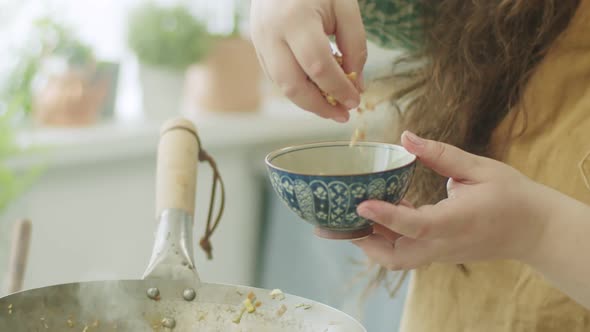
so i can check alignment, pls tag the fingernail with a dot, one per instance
(414, 138)
(350, 104)
(366, 212)
(341, 118)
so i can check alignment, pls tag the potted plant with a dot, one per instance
(58, 82)
(230, 69)
(166, 41)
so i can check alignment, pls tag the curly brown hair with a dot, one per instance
(479, 55)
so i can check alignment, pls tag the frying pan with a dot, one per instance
(170, 297)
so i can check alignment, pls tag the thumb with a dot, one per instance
(442, 158)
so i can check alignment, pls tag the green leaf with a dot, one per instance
(48, 38)
(167, 36)
(12, 183)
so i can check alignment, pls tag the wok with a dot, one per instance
(170, 297)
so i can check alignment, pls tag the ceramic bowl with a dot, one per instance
(323, 183)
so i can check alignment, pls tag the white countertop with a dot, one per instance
(278, 121)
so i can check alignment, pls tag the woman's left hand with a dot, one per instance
(492, 212)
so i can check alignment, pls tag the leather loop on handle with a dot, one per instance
(178, 155)
(212, 222)
(176, 174)
(21, 239)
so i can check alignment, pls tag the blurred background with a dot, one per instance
(84, 87)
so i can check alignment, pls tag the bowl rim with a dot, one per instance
(279, 152)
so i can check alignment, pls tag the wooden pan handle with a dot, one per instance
(176, 175)
(21, 239)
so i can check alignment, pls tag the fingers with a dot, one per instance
(445, 159)
(427, 222)
(387, 233)
(399, 219)
(406, 204)
(377, 248)
(292, 80)
(351, 38)
(406, 254)
(412, 253)
(308, 67)
(313, 53)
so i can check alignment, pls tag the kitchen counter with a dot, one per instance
(278, 121)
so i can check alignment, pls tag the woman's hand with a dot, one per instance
(292, 45)
(492, 211)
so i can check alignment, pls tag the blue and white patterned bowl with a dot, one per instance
(323, 183)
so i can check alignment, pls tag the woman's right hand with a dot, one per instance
(290, 37)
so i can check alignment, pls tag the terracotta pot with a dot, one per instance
(229, 79)
(70, 99)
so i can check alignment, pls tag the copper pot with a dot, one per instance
(71, 98)
(229, 79)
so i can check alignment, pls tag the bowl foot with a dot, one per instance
(343, 235)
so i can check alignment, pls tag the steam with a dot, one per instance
(111, 303)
